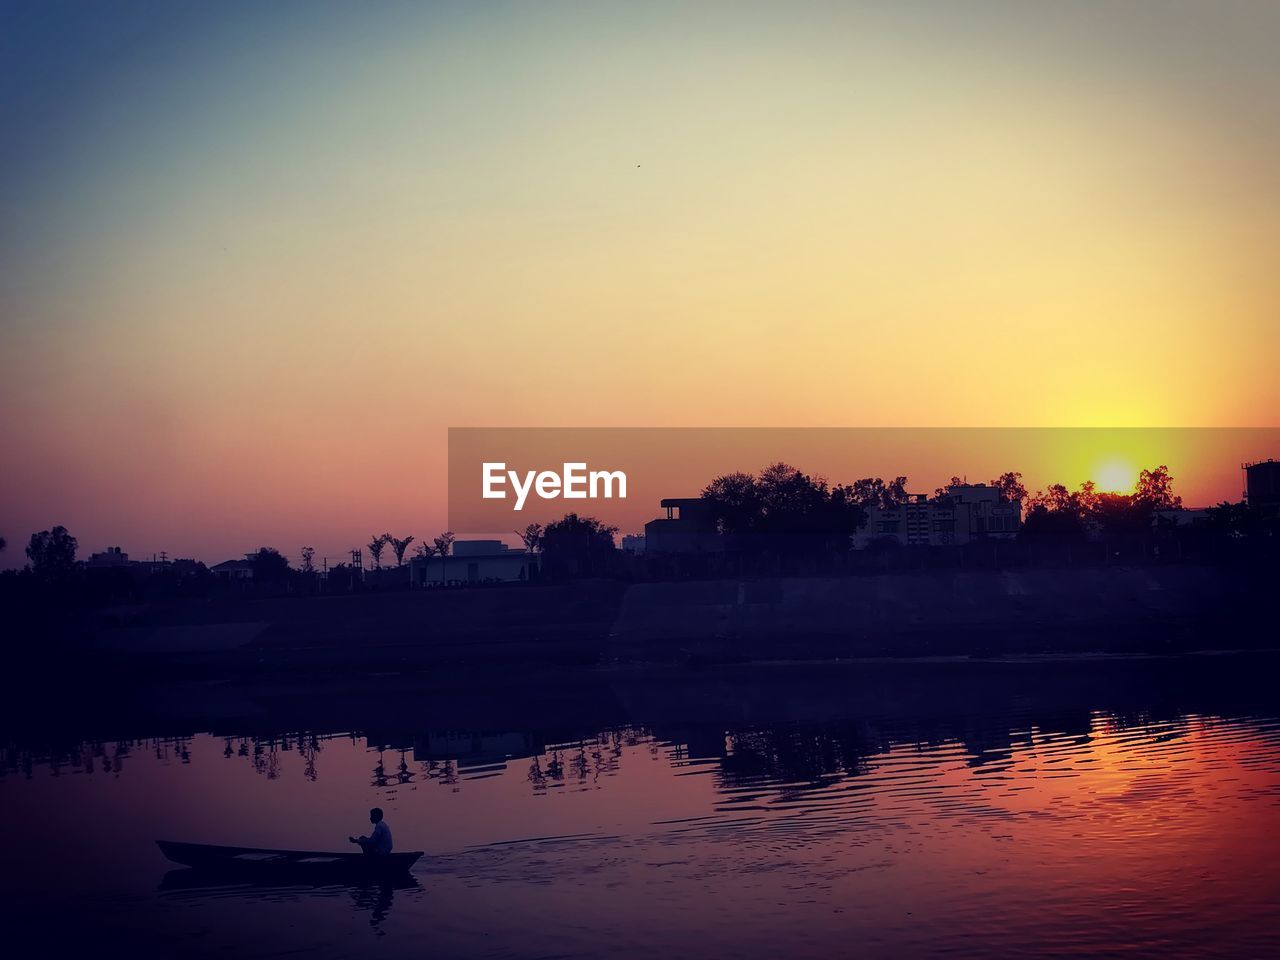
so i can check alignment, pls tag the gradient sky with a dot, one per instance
(254, 259)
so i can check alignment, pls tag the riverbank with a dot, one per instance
(984, 613)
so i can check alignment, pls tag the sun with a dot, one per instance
(1115, 476)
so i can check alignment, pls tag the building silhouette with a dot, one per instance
(473, 561)
(1262, 486)
(964, 512)
(688, 527)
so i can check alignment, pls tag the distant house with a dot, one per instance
(1182, 517)
(473, 561)
(113, 560)
(963, 513)
(1262, 486)
(689, 527)
(633, 543)
(110, 557)
(234, 569)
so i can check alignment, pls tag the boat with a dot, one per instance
(309, 865)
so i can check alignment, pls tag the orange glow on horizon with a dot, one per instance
(246, 290)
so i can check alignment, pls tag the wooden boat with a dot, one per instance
(253, 862)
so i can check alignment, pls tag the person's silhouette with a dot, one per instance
(378, 842)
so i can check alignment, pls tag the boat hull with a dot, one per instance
(305, 864)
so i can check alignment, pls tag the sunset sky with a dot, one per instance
(255, 259)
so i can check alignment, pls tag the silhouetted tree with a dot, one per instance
(578, 546)
(787, 497)
(1155, 490)
(786, 511)
(1010, 486)
(874, 492)
(1116, 515)
(308, 560)
(1062, 514)
(399, 547)
(941, 492)
(376, 545)
(530, 536)
(737, 502)
(442, 544)
(1230, 519)
(425, 552)
(1043, 523)
(793, 503)
(1057, 498)
(1058, 514)
(270, 566)
(52, 553)
(868, 492)
(1236, 521)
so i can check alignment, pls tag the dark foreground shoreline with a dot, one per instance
(1176, 608)
(608, 653)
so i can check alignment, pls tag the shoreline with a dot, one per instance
(569, 702)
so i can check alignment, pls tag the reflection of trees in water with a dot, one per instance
(444, 772)
(584, 761)
(578, 763)
(789, 753)
(92, 756)
(536, 775)
(803, 756)
(309, 747)
(264, 754)
(266, 760)
(606, 752)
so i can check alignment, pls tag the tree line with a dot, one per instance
(780, 511)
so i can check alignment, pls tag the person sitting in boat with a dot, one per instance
(378, 842)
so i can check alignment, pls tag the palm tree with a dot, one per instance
(400, 546)
(443, 543)
(375, 548)
(531, 536)
(425, 553)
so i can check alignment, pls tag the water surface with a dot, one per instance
(1097, 834)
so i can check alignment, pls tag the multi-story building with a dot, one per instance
(110, 557)
(1262, 485)
(964, 512)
